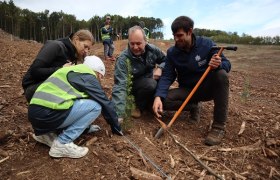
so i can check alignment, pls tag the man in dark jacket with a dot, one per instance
(54, 55)
(144, 62)
(187, 61)
(69, 101)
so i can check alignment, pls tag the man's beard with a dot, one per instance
(182, 45)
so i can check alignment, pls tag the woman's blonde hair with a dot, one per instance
(83, 35)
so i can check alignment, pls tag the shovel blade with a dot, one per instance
(159, 133)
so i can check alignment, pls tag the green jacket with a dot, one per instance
(140, 67)
(56, 92)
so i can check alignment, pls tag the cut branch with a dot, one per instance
(253, 147)
(143, 159)
(195, 157)
(2, 160)
(139, 174)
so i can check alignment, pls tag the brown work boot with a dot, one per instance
(136, 113)
(215, 136)
(195, 114)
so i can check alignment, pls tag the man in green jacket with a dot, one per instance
(144, 62)
(68, 102)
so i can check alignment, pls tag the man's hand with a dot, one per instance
(157, 73)
(215, 61)
(157, 107)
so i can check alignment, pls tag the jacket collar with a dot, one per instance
(70, 47)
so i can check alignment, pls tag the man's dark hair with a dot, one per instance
(182, 22)
(141, 24)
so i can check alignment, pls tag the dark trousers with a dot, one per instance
(143, 90)
(30, 90)
(214, 87)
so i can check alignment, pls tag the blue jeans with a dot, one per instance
(83, 113)
(109, 49)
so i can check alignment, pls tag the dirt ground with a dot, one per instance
(250, 149)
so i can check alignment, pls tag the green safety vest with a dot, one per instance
(105, 36)
(56, 92)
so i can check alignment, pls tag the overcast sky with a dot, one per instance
(253, 17)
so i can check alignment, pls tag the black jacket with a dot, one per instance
(52, 56)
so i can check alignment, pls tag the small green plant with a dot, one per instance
(246, 92)
(130, 101)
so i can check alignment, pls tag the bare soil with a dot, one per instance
(251, 152)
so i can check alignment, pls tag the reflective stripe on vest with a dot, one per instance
(56, 92)
(62, 85)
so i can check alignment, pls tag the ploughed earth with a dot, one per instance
(250, 149)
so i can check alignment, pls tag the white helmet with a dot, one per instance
(95, 63)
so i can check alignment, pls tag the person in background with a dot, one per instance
(187, 61)
(69, 101)
(146, 30)
(107, 32)
(54, 55)
(144, 62)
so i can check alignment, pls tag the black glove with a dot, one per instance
(117, 130)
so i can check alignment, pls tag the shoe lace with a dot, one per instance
(73, 146)
(218, 132)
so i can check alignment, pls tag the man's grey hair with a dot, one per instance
(135, 28)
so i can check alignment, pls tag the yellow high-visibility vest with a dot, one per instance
(56, 92)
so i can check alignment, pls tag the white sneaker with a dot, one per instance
(46, 139)
(70, 150)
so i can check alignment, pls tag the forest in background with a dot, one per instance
(42, 26)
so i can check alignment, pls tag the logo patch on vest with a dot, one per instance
(201, 63)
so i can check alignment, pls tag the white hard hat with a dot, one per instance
(95, 63)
